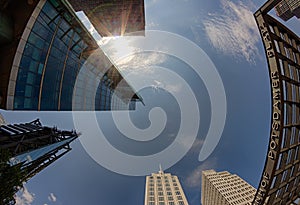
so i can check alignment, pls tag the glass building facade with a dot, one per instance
(54, 49)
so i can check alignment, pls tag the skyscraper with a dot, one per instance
(26, 149)
(34, 146)
(49, 59)
(286, 9)
(113, 17)
(223, 188)
(164, 189)
(280, 181)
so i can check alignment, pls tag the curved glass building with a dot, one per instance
(51, 62)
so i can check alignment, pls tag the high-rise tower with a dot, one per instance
(225, 188)
(279, 182)
(164, 189)
(25, 150)
(34, 146)
(286, 9)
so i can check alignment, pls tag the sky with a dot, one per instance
(203, 76)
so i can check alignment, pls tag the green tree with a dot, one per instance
(11, 178)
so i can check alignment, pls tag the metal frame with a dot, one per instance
(280, 180)
(23, 138)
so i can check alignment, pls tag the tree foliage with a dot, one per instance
(11, 178)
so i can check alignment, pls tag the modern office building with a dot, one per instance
(280, 179)
(34, 146)
(113, 17)
(45, 54)
(286, 9)
(164, 189)
(223, 188)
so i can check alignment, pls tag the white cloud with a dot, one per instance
(141, 62)
(234, 32)
(175, 88)
(197, 144)
(24, 197)
(196, 34)
(52, 197)
(194, 178)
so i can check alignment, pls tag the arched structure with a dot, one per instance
(280, 180)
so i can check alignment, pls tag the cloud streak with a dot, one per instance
(194, 178)
(234, 32)
(52, 197)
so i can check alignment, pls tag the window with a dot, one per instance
(161, 199)
(170, 198)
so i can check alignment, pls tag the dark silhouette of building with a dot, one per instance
(286, 9)
(25, 150)
(113, 17)
(280, 180)
(49, 61)
(34, 146)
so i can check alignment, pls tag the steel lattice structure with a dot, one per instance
(280, 180)
(35, 146)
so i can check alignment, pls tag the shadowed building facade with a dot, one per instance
(225, 188)
(280, 180)
(164, 189)
(48, 54)
(34, 146)
(114, 17)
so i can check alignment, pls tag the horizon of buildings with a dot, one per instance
(164, 189)
(50, 62)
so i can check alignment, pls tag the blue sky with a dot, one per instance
(226, 32)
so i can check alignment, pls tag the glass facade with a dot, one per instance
(54, 54)
(38, 153)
